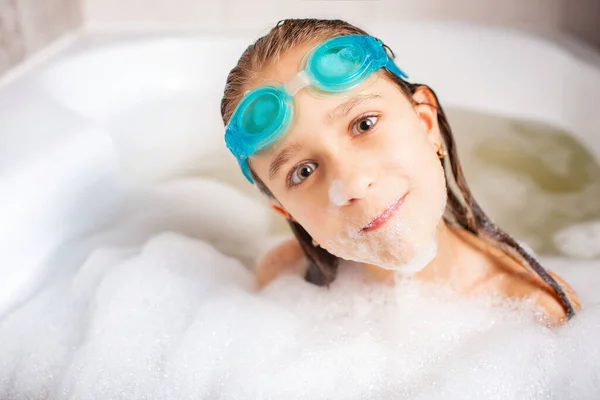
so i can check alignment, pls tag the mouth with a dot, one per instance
(384, 217)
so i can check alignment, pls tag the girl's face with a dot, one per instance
(360, 173)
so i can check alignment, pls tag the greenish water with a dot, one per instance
(533, 179)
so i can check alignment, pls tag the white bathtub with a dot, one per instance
(64, 143)
(97, 301)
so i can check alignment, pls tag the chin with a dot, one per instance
(419, 259)
(406, 247)
(407, 243)
(403, 257)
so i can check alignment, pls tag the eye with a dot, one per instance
(301, 172)
(364, 124)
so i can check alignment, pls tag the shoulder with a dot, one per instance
(286, 257)
(519, 282)
(512, 279)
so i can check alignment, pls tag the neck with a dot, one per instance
(461, 259)
(442, 267)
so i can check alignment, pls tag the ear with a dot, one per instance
(426, 109)
(278, 208)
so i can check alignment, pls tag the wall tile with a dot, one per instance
(12, 48)
(535, 15)
(354, 11)
(256, 14)
(582, 19)
(264, 14)
(43, 21)
(182, 13)
(529, 14)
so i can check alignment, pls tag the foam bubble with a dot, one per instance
(175, 318)
(580, 241)
(336, 194)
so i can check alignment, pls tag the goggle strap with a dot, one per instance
(393, 68)
(298, 82)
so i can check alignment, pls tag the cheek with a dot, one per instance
(412, 156)
(403, 137)
(316, 222)
(429, 190)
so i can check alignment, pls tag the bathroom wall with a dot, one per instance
(582, 19)
(578, 17)
(242, 14)
(28, 25)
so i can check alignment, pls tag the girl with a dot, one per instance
(364, 167)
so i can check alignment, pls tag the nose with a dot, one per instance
(350, 183)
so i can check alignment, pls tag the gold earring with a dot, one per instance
(440, 151)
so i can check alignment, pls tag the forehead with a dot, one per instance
(287, 66)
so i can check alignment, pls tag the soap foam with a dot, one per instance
(172, 317)
(336, 194)
(405, 243)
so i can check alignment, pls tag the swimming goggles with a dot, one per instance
(334, 66)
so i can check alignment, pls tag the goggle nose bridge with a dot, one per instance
(297, 83)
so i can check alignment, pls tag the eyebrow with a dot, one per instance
(344, 109)
(340, 111)
(283, 157)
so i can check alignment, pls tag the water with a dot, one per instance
(535, 180)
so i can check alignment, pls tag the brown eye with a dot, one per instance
(364, 124)
(302, 172)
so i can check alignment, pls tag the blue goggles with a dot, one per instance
(334, 66)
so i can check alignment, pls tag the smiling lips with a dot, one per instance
(384, 217)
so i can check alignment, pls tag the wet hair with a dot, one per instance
(461, 209)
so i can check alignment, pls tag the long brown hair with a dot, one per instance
(461, 208)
